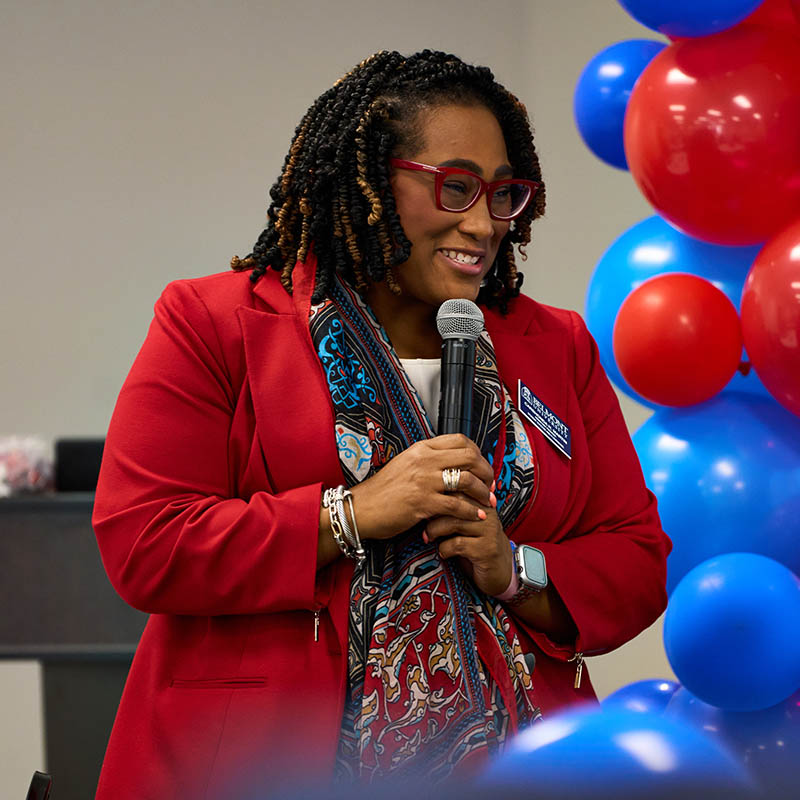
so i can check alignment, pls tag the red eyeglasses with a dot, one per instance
(459, 189)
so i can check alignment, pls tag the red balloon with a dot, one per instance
(712, 134)
(783, 14)
(775, 13)
(771, 317)
(677, 339)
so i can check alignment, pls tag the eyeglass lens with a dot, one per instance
(458, 191)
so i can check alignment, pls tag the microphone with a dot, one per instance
(460, 323)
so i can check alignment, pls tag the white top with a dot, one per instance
(426, 375)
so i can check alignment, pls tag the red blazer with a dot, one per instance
(207, 514)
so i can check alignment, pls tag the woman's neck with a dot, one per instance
(411, 327)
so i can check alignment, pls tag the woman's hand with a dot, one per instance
(484, 553)
(482, 547)
(410, 489)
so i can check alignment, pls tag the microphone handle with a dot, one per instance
(458, 376)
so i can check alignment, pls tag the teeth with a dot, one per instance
(462, 257)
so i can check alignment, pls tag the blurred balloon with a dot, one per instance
(746, 381)
(781, 14)
(711, 134)
(767, 742)
(652, 247)
(689, 17)
(685, 706)
(648, 695)
(732, 631)
(771, 316)
(583, 753)
(602, 92)
(776, 13)
(727, 477)
(677, 339)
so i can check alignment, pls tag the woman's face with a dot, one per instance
(468, 137)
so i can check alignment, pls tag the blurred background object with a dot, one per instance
(77, 464)
(26, 465)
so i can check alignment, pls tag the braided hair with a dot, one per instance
(334, 193)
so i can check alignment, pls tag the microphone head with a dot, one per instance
(459, 319)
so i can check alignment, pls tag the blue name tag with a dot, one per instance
(538, 414)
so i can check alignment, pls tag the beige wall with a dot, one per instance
(139, 143)
(589, 205)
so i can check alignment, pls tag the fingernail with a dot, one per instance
(494, 485)
(481, 514)
(425, 537)
(493, 499)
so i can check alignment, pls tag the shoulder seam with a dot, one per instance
(214, 328)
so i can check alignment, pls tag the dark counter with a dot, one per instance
(60, 608)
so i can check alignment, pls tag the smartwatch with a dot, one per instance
(532, 571)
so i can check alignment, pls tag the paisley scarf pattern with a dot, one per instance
(436, 674)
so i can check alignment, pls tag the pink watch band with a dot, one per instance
(513, 586)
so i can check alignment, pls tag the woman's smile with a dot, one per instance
(469, 262)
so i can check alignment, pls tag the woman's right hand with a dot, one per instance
(409, 488)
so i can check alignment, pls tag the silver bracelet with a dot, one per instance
(360, 555)
(359, 548)
(356, 550)
(348, 539)
(345, 523)
(329, 502)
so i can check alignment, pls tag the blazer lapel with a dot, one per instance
(293, 408)
(294, 414)
(539, 360)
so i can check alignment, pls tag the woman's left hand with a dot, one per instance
(481, 546)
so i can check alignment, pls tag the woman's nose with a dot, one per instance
(476, 221)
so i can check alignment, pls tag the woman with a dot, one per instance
(333, 587)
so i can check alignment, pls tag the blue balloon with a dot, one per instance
(689, 17)
(727, 477)
(647, 695)
(749, 383)
(589, 753)
(650, 248)
(767, 742)
(602, 92)
(732, 632)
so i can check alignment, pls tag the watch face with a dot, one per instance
(534, 572)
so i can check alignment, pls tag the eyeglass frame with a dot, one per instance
(442, 173)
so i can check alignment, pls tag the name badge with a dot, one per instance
(538, 414)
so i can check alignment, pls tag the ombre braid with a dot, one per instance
(334, 193)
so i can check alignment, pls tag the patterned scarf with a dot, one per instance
(436, 674)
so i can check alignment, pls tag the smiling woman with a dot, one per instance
(452, 250)
(337, 593)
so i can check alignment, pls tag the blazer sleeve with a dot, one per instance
(172, 537)
(609, 568)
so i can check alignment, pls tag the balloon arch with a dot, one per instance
(696, 312)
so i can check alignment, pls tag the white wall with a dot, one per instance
(139, 143)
